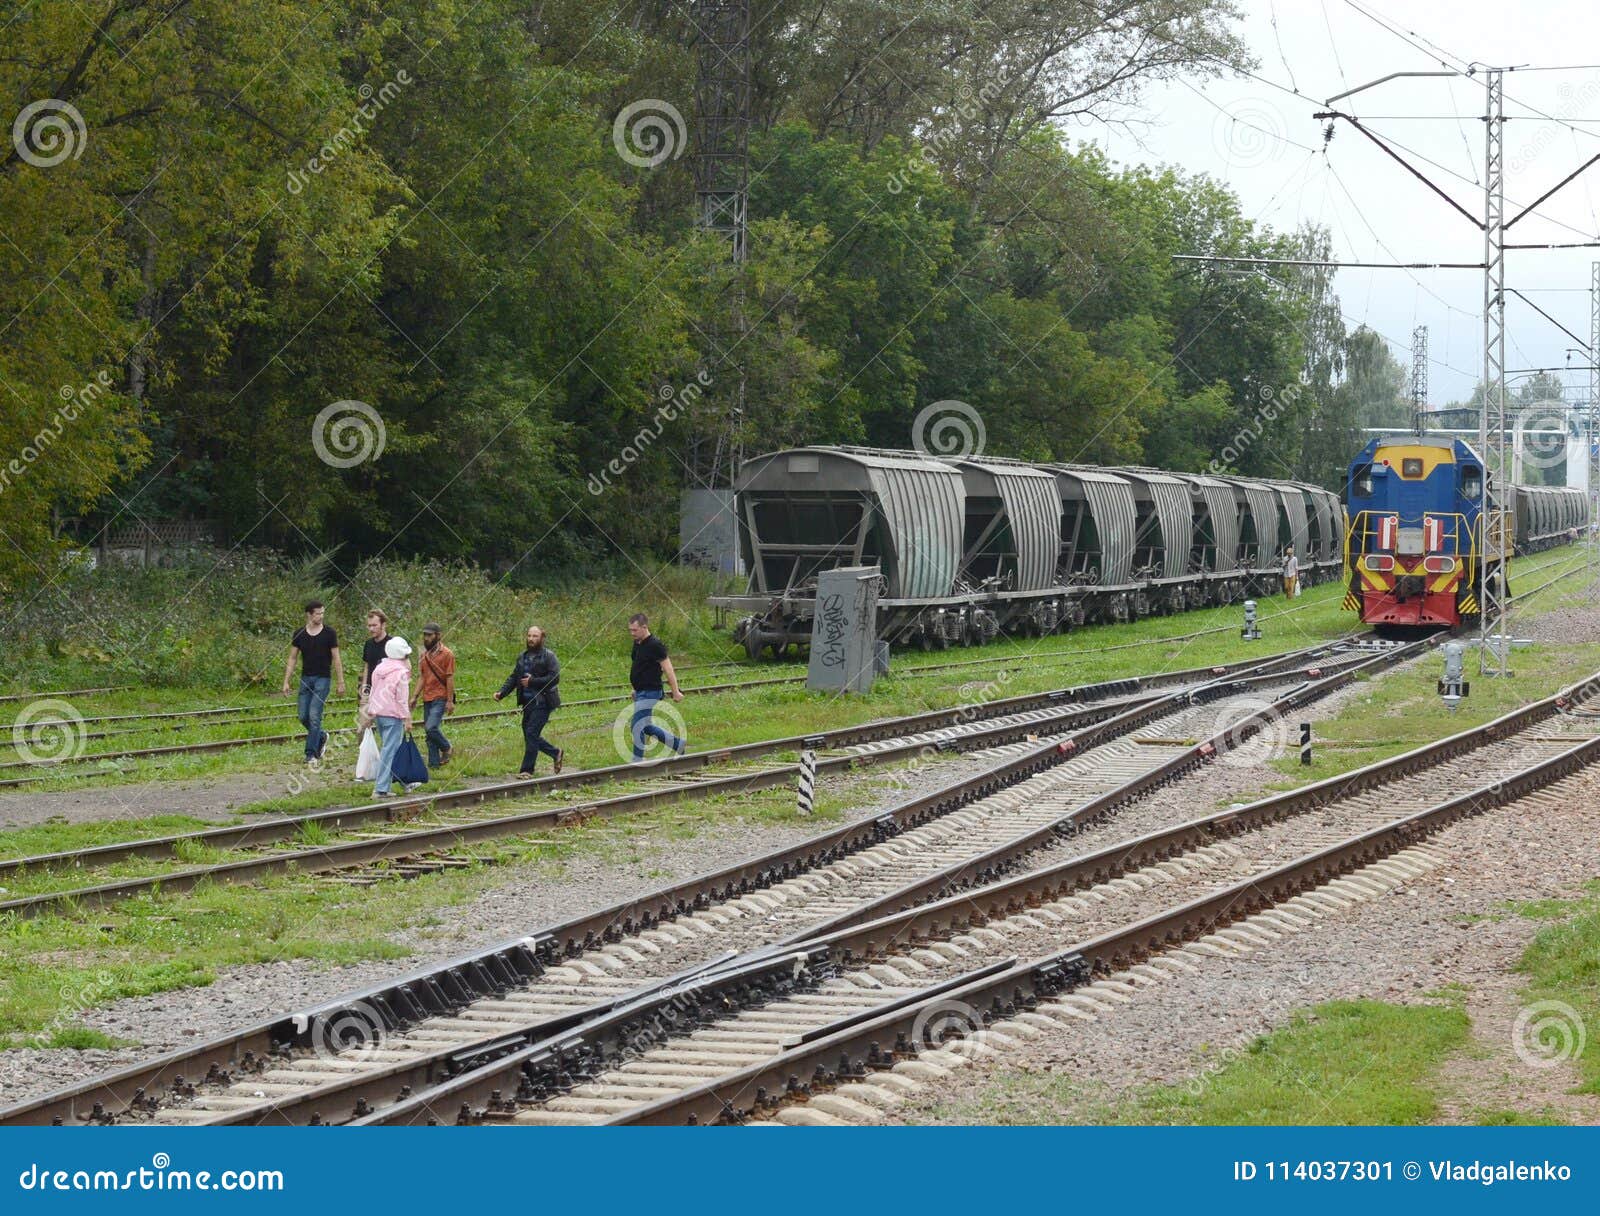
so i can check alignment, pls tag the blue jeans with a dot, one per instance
(535, 717)
(432, 716)
(644, 704)
(313, 696)
(391, 732)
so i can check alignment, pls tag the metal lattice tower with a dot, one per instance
(722, 199)
(1419, 378)
(1494, 629)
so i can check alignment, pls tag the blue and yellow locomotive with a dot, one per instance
(1417, 531)
(1420, 529)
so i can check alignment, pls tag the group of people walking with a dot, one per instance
(387, 700)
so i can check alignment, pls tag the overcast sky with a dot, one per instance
(1263, 142)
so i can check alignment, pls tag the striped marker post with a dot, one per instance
(1305, 743)
(808, 780)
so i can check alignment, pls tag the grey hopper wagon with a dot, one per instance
(1097, 531)
(1258, 531)
(1011, 542)
(805, 510)
(1214, 555)
(1163, 541)
(1547, 516)
(1325, 519)
(1294, 526)
(971, 546)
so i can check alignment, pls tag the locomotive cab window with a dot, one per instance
(1361, 483)
(1411, 466)
(1471, 481)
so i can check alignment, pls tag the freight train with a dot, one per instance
(970, 547)
(1420, 535)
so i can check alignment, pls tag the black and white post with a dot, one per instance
(1305, 743)
(808, 780)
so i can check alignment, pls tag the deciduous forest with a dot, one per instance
(476, 217)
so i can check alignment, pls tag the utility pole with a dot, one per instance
(722, 196)
(1592, 438)
(1494, 628)
(1419, 379)
(1494, 603)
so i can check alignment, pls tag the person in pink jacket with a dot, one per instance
(390, 706)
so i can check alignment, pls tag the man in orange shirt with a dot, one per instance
(437, 691)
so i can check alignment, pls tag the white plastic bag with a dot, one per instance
(367, 756)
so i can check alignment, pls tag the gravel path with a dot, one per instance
(214, 799)
(1448, 926)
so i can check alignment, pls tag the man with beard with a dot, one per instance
(536, 677)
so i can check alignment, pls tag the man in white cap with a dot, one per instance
(389, 703)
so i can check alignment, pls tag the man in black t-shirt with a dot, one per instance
(650, 665)
(317, 647)
(372, 653)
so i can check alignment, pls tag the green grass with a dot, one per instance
(159, 944)
(1342, 1063)
(491, 747)
(1495, 1117)
(1562, 963)
(52, 966)
(69, 1038)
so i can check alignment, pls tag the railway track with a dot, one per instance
(836, 1012)
(447, 1021)
(417, 831)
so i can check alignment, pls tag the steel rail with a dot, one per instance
(410, 843)
(854, 1048)
(501, 1064)
(355, 1094)
(65, 692)
(493, 971)
(344, 818)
